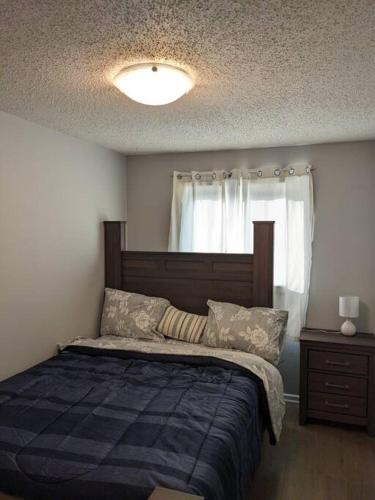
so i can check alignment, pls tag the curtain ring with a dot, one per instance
(179, 177)
(308, 169)
(277, 172)
(198, 176)
(259, 173)
(214, 175)
(292, 171)
(224, 175)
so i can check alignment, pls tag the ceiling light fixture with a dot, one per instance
(153, 83)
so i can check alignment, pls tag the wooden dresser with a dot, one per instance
(337, 378)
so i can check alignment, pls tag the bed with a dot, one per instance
(112, 418)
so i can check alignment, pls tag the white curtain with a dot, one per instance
(214, 211)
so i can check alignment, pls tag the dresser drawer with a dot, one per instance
(333, 403)
(337, 384)
(338, 362)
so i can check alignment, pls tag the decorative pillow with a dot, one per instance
(182, 325)
(132, 315)
(259, 330)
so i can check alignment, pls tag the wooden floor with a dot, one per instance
(316, 462)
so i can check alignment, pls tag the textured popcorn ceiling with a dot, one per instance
(267, 72)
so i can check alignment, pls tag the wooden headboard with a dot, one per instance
(189, 279)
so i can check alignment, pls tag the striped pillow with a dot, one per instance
(181, 325)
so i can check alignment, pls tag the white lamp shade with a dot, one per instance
(349, 307)
(154, 84)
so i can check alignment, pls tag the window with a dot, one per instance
(213, 212)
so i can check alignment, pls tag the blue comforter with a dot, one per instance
(93, 425)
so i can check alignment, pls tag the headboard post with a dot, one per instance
(263, 264)
(114, 241)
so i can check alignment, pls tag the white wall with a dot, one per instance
(55, 191)
(344, 246)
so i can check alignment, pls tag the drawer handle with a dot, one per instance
(337, 405)
(337, 363)
(337, 386)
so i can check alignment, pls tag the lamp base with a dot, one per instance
(348, 328)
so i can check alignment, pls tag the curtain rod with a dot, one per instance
(277, 172)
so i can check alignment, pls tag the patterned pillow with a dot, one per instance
(132, 315)
(258, 330)
(182, 325)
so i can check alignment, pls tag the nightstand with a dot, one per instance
(337, 378)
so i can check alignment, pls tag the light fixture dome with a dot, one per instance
(153, 83)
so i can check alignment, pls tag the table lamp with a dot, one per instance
(348, 308)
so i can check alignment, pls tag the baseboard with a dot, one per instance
(292, 398)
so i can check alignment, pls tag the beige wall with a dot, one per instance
(55, 191)
(344, 246)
